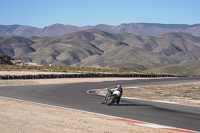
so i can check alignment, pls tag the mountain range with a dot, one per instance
(176, 53)
(147, 29)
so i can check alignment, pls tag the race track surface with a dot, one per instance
(75, 96)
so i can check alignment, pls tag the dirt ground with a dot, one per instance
(184, 93)
(23, 117)
(27, 73)
(57, 81)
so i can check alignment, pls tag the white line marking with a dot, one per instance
(152, 125)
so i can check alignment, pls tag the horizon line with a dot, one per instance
(99, 24)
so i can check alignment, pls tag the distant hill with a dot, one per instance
(147, 29)
(15, 46)
(99, 48)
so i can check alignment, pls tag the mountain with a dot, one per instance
(93, 47)
(145, 29)
(15, 46)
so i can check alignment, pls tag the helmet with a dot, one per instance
(118, 86)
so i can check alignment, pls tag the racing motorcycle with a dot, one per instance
(113, 96)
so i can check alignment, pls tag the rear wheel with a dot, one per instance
(117, 100)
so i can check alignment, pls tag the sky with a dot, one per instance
(41, 13)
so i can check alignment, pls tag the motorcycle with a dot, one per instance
(113, 96)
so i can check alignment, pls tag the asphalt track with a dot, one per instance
(75, 96)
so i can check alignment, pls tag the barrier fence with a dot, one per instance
(52, 76)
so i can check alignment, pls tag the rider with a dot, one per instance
(118, 87)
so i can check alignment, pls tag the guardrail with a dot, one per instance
(52, 76)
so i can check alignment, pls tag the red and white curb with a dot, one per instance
(114, 117)
(146, 124)
(156, 126)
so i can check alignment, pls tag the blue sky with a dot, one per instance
(40, 13)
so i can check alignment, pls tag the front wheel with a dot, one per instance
(110, 100)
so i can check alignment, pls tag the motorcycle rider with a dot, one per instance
(119, 88)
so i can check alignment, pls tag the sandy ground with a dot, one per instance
(27, 73)
(58, 81)
(22, 117)
(183, 93)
